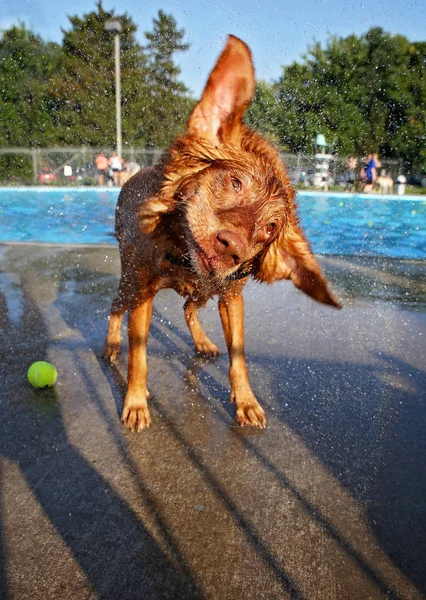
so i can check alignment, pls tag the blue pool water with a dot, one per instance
(334, 223)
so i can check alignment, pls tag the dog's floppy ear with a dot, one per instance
(229, 90)
(290, 257)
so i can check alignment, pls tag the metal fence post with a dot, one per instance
(35, 169)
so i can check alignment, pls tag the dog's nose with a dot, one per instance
(230, 247)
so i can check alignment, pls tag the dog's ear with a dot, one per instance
(290, 257)
(229, 90)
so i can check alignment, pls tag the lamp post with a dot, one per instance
(115, 27)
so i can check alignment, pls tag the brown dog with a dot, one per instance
(218, 210)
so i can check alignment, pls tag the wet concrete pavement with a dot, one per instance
(327, 503)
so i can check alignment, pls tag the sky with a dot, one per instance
(279, 32)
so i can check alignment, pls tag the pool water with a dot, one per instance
(348, 224)
(364, 225)
(58, 215)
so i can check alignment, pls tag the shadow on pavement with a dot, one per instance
(328, 500)
(118, 556)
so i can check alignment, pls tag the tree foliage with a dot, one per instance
(65, 95)
(27, 64)
(153, 101)
(169, 98)
(365, 94)
(84, 91)
(263, 114)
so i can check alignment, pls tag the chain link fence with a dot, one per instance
(76, 166)
(302, 168)
(62, 166)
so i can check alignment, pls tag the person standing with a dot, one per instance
(101, 163)
(116, 164)
(377, 160)
(350, 178)
(369, 174)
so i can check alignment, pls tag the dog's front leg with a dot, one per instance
(202, 342)
(249, 411)
(135, 411)
(113, 340)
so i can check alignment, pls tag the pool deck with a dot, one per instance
(327, 503)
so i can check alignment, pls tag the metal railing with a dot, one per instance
(28, 166)
(71, 166)
(301, 169)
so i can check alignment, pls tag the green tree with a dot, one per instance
(364, 94)
(26, 66)
(154, 102)
(84, 92)
(410, 138)
(169, 98)
(263, 115)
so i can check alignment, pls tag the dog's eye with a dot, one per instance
(270, 228)
(236, 184)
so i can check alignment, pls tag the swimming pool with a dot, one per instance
(348, 224)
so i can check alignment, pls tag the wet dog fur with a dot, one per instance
(216, 211)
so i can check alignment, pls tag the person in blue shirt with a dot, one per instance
(369, 173)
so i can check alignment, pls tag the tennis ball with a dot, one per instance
(42, 374)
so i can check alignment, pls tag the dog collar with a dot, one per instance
(180, 262)
(240, 273)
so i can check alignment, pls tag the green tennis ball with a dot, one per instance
(42, 374)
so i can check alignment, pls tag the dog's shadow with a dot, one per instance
(323, 427)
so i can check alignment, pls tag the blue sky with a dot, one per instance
(278, 31)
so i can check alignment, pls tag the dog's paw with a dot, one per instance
(249, 411)
(207, 348)
(251, 414)
(110, 351)
(135, 413)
